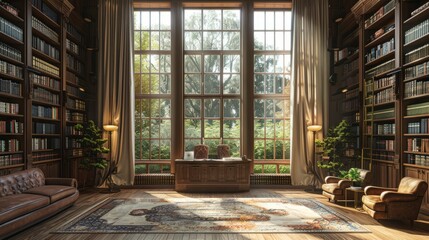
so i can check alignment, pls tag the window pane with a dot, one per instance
(211, 83)
(269, 20)
(192, 63)
(269, 40)
(211, 129)
(288, 20)
(231, 108)
(145, 20)
(211, 108)
(231, 84)
(279, 21)
(165, 41)
(279, 41)
(231, 40)
(165, 20)
(259, 20)
(137, 22)
(212, 19)
(193, 40)
(231, 63)
(192, 108)
(212, 40)
(192, 83)
(154, 20)
(192, 128)
(193, 19)
(231, 129)
(259, 39)
(231, 19)
(212, 63)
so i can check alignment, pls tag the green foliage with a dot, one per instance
(352, 174)
(334, 146)
(93, 146)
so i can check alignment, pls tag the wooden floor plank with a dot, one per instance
(390, 230)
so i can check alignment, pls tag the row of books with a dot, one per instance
(10, 69)
(10, 108)
(417, 109)
(380, 13)
(11, 29)
(383, 155)
(76, 104)
(10, 52)
(11, 126)
(418, 53)
(387, 66)
(10, 87)
(46, 48)
(11, 145)
(343, 53)
(418, 127)
(421, 160)
(381, 31)
(45, 66)
(45, 95)
(417, 71)
(352, 80)
(72, 143)
(72, 78)
(45, 112)
(45, 30)
(381, 114)
(380, 83)
(40, 156)
(388, 145)
(45, 128)
(74, 32)
(74, 116)
(45, 143)
(75, 152)
(349, 67)
(74, 64)
(386, 95)
(10, 8)
(418, 145)
(384, 129)
(12, 159)
(74, 91)
(380, 50)
(419, 9)
(354, 118)
(352, 105)
(352, 93)
(72, 47)
(71, 130)
(44, 8)
(416, 32)
(45, 81)
(416, 88)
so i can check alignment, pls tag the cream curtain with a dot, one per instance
(116, 84)
(310, 64)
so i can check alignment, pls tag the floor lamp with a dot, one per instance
(314, 129)
(112, 164)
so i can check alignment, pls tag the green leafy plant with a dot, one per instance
(93, 146)
(353, 174)
(334, 146)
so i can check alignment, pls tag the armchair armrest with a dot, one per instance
(372, 190)
(389, 196)
(332, 179)
(344, 183)
(61, 181)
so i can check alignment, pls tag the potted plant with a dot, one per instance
(353, 174)
(93, 148)
(333, 147)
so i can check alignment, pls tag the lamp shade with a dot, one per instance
(110, 128)
(314, 128)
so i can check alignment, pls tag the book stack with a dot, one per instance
(74, 91)
(10, 108)
(74, 116)
(388, 145)
(416, 32)
(387, 66)
(72, 78)
(384, 82)
(418, 127)
(45, 95)
(418, 53)
(41, 27)
(44, 128)
(11, 52)
(11, 29)
(416, 88)
(45, 66)
(11, 145)
(11, 126)
(45, 143)
(10, 87)
(385, 129)
(45, 81)
(12, 159)
(10, 69)
(76, 104)
(421, 160)
(46, 48)
(417, 71)
(45, 112)
(72, 47)
(418, 145)
(380, 13)
(384, 96)
(380, 50)
(74, 64)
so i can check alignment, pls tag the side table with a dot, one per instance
(356, 192)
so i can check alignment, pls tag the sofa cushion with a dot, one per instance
(332, 188)
(16, 205)
(374, 202)
(54, 192)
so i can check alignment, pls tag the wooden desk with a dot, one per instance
(212, 175)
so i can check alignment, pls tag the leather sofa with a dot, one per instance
(335, 187)
(395, 203)
(27, 197)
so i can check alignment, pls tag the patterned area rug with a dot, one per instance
(211, 215)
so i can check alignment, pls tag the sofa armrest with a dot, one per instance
(332, 179)
(372, 190)
(345, 183)
(61, 181)
(389, 196)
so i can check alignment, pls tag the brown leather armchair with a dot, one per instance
(335, 187)
(395, 203)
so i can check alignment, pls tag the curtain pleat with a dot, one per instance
(116, 84)
(309, 100)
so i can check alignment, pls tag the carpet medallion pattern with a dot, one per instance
(211, 215)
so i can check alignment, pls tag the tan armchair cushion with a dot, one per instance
(389, 196)
(372, 190)
(412, 185)
(374, 202)
(332, 188)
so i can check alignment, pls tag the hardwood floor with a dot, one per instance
(379, 230)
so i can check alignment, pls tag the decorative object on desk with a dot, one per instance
(113, 166)
(201, 151)
(93, 148)
(189, 155)
(333, 146)
(223, 151)
(312, 168)
(211, 215)
(354, 175)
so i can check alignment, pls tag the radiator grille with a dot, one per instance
(270, 179)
